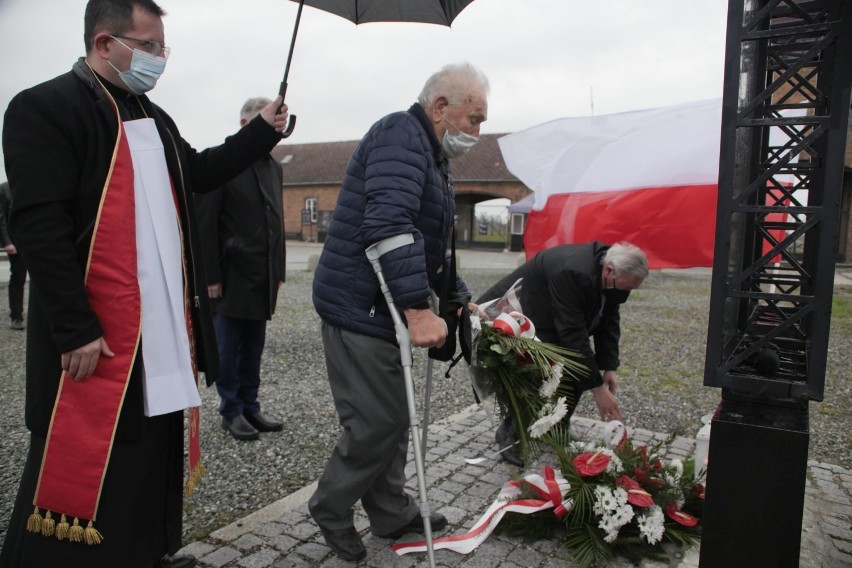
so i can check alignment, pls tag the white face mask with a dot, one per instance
(144, 70)
(458, 144)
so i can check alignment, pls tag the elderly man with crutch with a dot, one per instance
(397, 198)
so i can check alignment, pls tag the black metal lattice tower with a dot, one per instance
(785, 110)
(786, 105)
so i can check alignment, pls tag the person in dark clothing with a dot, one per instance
(118, 324)
(572, 293)
(17, 270)
(242, 232)
(397, 183)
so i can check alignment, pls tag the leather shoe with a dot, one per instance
(263, 423)
(345, 543)
(512, 456)
(415, 525)
(239, 428)
(505, 438)
(177, 561)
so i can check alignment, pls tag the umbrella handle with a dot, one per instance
(291, 125)
(291, 122)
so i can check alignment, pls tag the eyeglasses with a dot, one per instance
(149, 46)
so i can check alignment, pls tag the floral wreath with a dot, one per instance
(621, 498)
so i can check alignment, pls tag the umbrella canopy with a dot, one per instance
(441, 12)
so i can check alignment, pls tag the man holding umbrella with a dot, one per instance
(397, 183)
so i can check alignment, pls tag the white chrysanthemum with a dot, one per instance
(620, 495)
(614, 510)
(552, 382)
(604, 500)
(652, 524)
(615, 465)
(677, 465)
(623, 515)
(673, 474)
(610, 529)
(550, 416)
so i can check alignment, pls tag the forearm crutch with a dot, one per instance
(374, 253)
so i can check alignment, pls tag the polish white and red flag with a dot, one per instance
(647, 177)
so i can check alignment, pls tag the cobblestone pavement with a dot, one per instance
(283, 535)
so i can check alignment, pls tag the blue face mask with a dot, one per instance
(145, 70)
(458, 144)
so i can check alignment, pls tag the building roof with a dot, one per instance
(325, 162)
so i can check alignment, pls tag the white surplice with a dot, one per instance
(169, 384)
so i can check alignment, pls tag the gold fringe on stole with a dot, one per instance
(61, 532)
(34, 521)
(48, 525)
(92, 535)
(194, 479)
(75, 533)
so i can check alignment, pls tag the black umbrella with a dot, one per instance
(441, 12)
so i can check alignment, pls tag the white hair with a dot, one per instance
(454, 81)
(626, 258)
(253, 106)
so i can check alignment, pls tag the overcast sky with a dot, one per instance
(545, 59)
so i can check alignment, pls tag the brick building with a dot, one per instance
(313, 174)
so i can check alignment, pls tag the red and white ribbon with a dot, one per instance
(515, 324)
(551, 488)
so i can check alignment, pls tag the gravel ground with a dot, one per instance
(663, 348)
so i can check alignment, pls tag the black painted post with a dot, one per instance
(788, 79)
(755, 485)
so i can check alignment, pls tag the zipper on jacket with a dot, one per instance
(373, 310)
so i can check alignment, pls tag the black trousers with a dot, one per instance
(140, 511)
(17, 277)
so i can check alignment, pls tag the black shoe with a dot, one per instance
(177, 561)
(263, 423)
(512, 456)
(345, 543)
(505, 438)
(239, 428)
(415, 525)
(17, 323)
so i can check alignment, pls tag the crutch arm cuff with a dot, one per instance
(384, 246)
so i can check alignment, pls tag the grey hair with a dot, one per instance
(626, 258)
(253, 106)
(454, 81)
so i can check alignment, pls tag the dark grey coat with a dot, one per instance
(242, 239)
(561, 294)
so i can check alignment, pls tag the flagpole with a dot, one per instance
(592, 99)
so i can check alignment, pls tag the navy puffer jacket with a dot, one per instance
(397, 182)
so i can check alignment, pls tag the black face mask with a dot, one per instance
(616, 296)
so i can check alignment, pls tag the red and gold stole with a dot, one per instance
(85, 414)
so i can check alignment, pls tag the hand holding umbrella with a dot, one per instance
(276, 114)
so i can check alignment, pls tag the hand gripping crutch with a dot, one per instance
(374, 253)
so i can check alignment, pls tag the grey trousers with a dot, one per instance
(368, 463)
